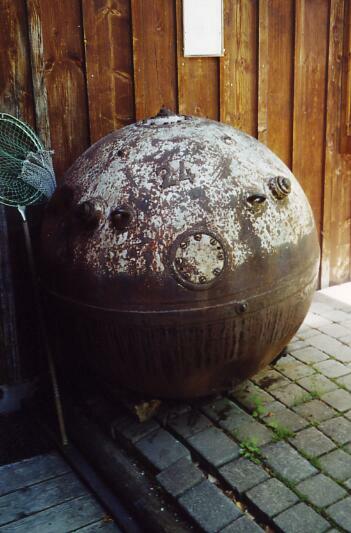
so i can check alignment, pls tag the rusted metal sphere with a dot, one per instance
(180, 256)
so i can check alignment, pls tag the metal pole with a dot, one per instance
(43, 332)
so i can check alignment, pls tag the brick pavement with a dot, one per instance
(273, 453)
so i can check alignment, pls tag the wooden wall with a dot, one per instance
(77, 69)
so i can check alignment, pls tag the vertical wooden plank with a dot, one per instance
(345, 126)
(38, 70)
(15, 77)
(238, 67)
(311, 43)
(63, 76)
(336, 249)
(109, 65)
(276, 75)
(198, 79)
(154, 53)
(15, 98)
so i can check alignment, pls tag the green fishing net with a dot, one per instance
(26, 172)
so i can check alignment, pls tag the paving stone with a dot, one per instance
(282, 361)
(348, 414)
(243, 525)
(312, 442)
(334, 330)
(310, 354)
(209, 507)
(271, 497)
(340, 399)
(287, 419)
(337, 464)
(332, 369)
(315, 411)
(301, 519)
(321, 490)
(242, 474)
(288, 394)
(337, 316)
(273, 408)
(132, 429)
(180, 476)
(296, 370)
(340, 512)
(339, 429)
(250, 395)
(332, 347)
(347, 484)
(226, 413)
(287, 462)
(214, 446)
(314, 321)
(305, 332)
(347, 447)
(317, 383)
(161, 449)
(320, 308)
(269, 379)
(296, 345)
(345, 381)
(347, 324)
(253, 431)
(189, 423)
(346, 340)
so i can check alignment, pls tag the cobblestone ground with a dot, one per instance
(274, 454)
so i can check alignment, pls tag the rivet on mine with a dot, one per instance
(216, 271)
(213, 242)
(183, 244)
(220, 256)
(242, 307)
(198, 237)
(202, 279)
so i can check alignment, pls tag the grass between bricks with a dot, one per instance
(280, 432)
(250, 450)
(307, 397)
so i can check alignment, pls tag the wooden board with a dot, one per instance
(38, 497)
(63, 77)
(336, 250)
(345, 125)
(276, 71)
(238, 67)
(67, 516)
(15, 77)
(29, 471)
(154, 52)
(311, 49)
(107, 35)
(198, 86)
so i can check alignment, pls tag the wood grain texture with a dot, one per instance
(198, 79)
(64, 78)
(276, 74)
(345, 125)
(336, 250)
(238, 67)
(38, 70)
(109, 65)
(38, 497)
(61, 518)
(154, 53)
(24, 473)
(311, 49)
(15, 76)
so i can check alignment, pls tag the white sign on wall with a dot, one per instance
(203, 27)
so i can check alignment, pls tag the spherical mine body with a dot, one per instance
(180, 256)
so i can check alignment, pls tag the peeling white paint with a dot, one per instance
(176, 177)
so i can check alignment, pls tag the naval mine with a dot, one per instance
(179, 257)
